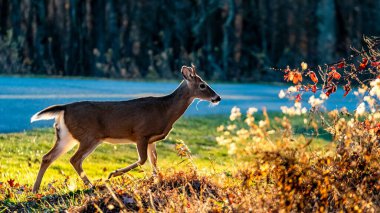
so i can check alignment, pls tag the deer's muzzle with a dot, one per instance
(216, 99)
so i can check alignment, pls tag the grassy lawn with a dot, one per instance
(21, 154)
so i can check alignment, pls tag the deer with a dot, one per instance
(142, 121)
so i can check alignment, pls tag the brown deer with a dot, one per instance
(142, 121)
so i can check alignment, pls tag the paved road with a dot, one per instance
(20, 98)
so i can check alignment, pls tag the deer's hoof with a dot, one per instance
(110, 175)
(35, 190)
(89, 185)
(114, 174)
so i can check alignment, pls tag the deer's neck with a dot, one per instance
(178, 102)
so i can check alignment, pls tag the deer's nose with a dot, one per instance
(216, 99)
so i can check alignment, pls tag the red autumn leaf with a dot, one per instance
(363, 64)
(331, 88)
(332, 68)
(313, 77)
(1, 185)
(341, 64)
(11, 182)
(298, 98)
(375, 63)
(347, 89)
(297, 77)
(314, 88)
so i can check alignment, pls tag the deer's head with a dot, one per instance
(198, 88)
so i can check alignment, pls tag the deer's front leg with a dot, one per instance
(142, 148)
(152, 154)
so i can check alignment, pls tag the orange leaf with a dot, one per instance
(289, 76)
(313, 77)
(297, 77)
(361, 66)
(336, 75)
(333, 75)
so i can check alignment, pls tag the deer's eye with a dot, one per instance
(202, 86)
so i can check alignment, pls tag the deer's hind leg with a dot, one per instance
(64, 142)
(84, 150)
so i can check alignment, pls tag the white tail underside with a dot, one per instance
(44, 116)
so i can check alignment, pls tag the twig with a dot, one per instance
(121, 204)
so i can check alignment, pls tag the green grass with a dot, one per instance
(21, 153)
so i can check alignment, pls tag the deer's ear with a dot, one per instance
(187, 73)
(194, 68)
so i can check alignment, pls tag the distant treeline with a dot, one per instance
(232, 40)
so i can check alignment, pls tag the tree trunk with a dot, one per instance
(327, 33)
(227, 35)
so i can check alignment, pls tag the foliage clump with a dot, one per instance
(343, 175)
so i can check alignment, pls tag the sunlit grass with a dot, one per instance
(21, 154)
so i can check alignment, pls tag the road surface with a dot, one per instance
(21, 97)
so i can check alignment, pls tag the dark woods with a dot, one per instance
(227, 40)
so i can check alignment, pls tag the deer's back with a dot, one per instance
(130, 120)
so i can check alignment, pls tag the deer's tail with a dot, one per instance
(48, 113)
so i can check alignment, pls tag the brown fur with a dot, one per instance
(142, 121)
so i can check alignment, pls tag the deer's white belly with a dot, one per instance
(118, 140)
